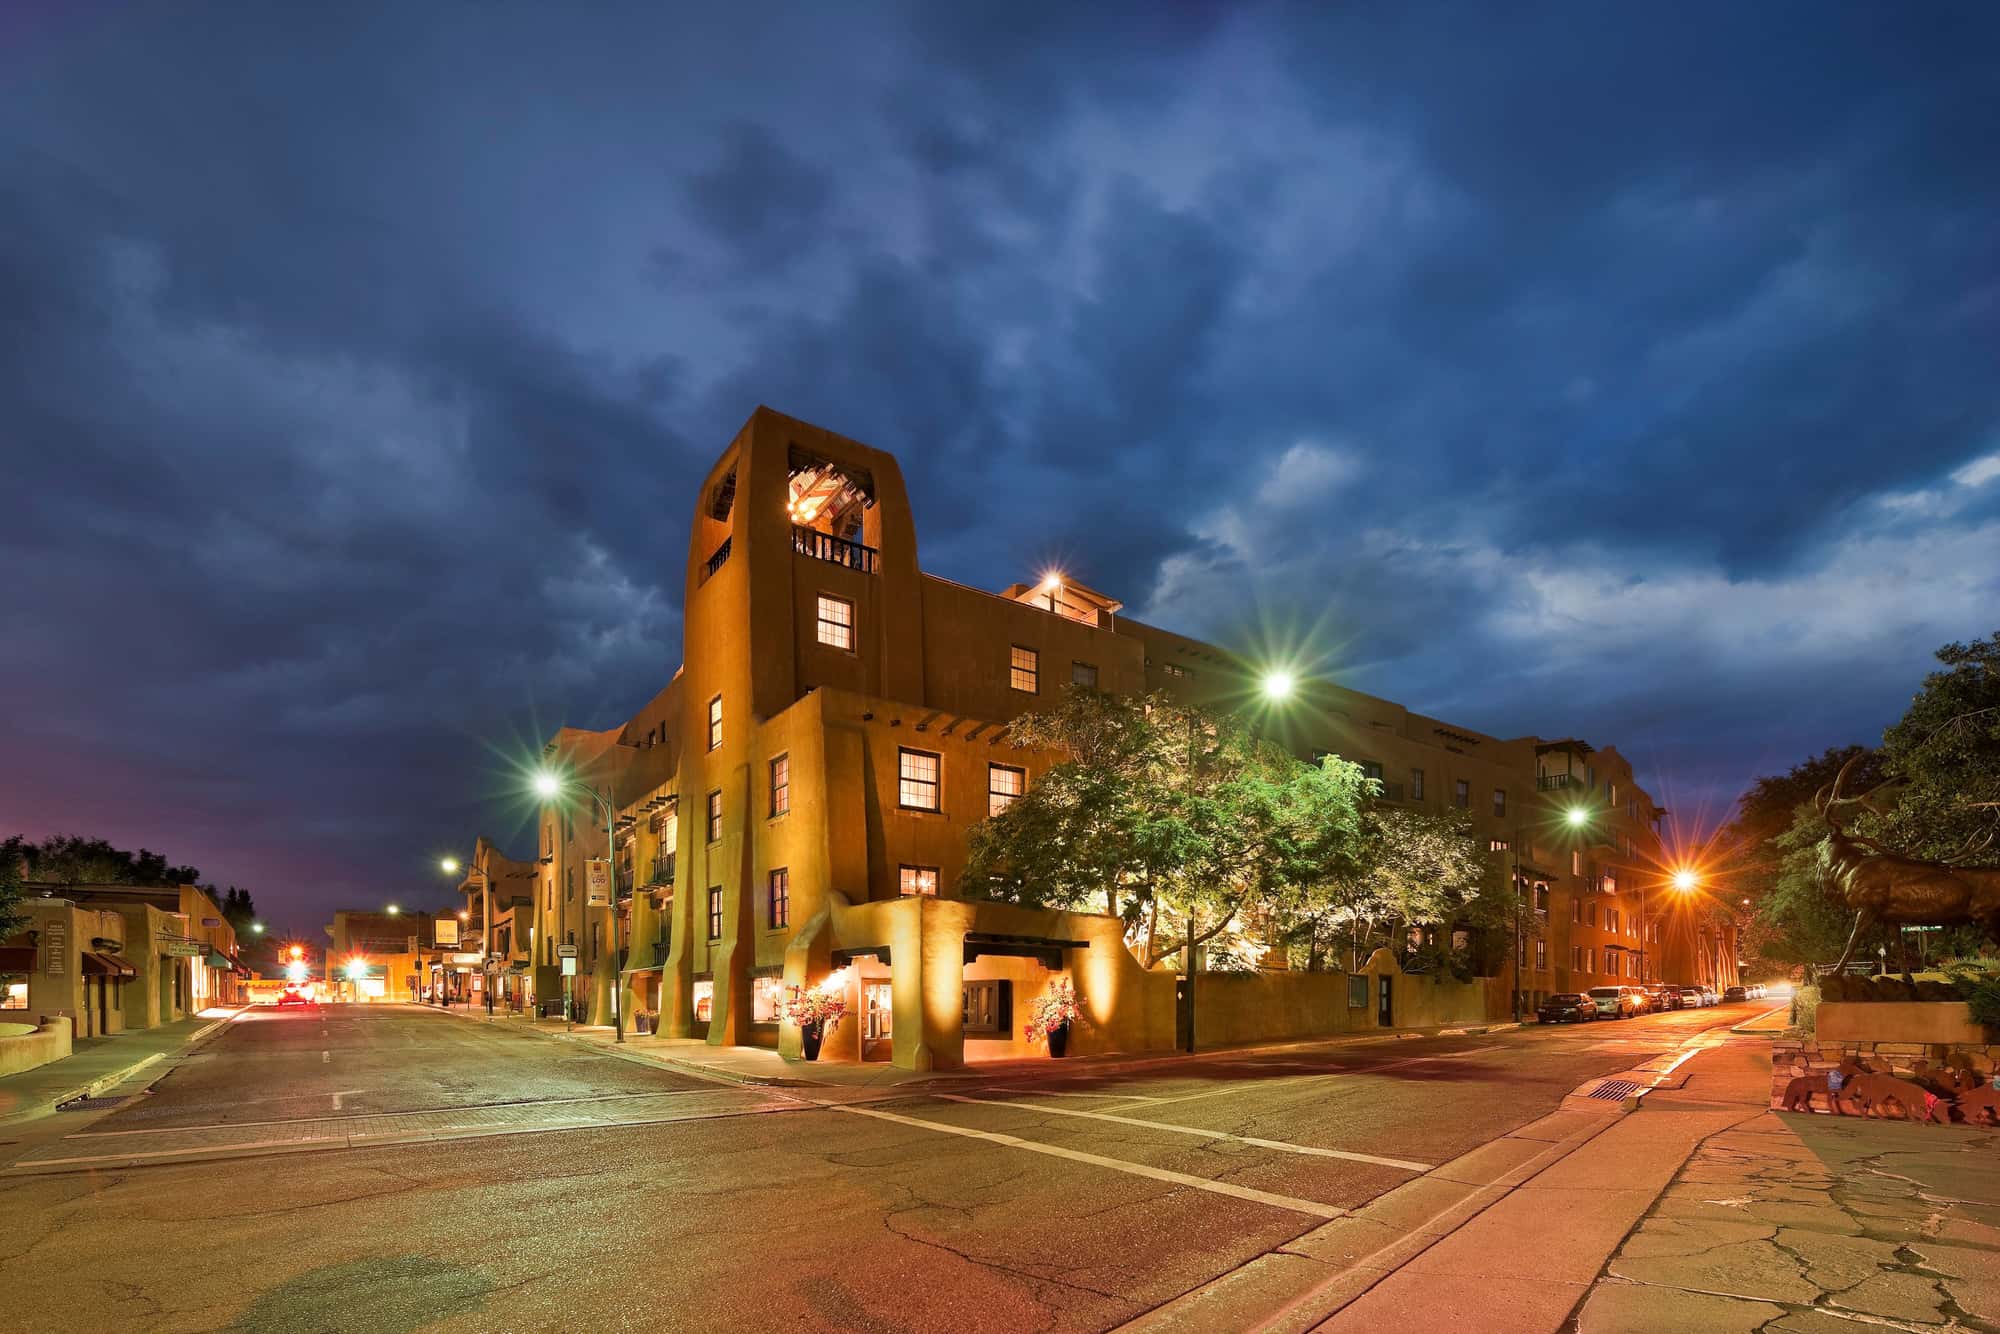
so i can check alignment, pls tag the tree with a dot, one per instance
(1180, 819)
(67, 859)
(237, 909)
(1945, 756)
(13, 859)
(1773, 858)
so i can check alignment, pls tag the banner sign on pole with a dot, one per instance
(597, 874)
(569, 966)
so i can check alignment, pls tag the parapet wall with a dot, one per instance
(25, 1051)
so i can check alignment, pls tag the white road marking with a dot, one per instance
(1276, 1144)
(429, 1111)
(326, 1058)
(1310, 1208)
(1051, 1093)
(338, 1094)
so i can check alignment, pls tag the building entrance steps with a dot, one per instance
(97, 1064)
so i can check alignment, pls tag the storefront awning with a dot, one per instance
(105, 965)
(217, 959)
(17, 958)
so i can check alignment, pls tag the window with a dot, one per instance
(571, 874)
(1371, 770)
(919, 880)
(704, 1001)
(1608, 884)
(1499, 801)
(781, 897)
(14, 993)
(715, 912)
(1611, 795)
(917, 779)
(1576, 957)
(836, 622)
(781, 786)
(1576, 910)
(715, 722)
(1575, 862)
(1461, 795)
(1589, 959)
(1024, 670)
(1004, 785)
(1175, 669)
(1497, 845)
(715, 816)
(1416, 785)
(766, 995)
(1541, 898)
(1611, 920)
(986, 1008)
(1083, 674)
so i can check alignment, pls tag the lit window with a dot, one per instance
(14, 994)
(1371, 769)
(704, 1001)
(986, 1007)
(781, 786)
(1497, 845)
(765, 998)
(1175, 669)
(1025, 670)
(715, 722)
(1499, 801)
(1461, 795)
(1083, 674)
(781, 897)
(836, 622)
(917, 774)
(715, 816)
(919, 880)
(1575, 862)
(1416, 785)
(715, 912)
(1004, 785)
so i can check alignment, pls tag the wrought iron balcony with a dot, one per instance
(663, 870)
(835, 550)
(1551, 782)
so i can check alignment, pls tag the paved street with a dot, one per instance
(398, 1169)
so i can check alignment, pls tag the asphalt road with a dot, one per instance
(385, 1169)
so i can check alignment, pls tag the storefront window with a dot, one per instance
(765, 993)
(704, 1002)
(13, 993)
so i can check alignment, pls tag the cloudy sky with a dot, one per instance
(1611, 369)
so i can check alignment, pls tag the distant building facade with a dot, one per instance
(794, 804)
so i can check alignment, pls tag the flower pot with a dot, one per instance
(809, 1039)
(1059, 1039)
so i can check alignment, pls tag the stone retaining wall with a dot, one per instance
(1791, 1057)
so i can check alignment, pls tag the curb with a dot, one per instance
(111, 1079)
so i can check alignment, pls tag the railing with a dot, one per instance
(717, 561)
(663, 870)
(1550, 782)
(837, 550)
(624, 881)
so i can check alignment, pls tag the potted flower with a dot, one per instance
(814, 1011)
(1051, 1014)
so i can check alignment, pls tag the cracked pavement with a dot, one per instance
(1794, 1224)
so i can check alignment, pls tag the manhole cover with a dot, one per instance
(1615, 1090)
(91, 1104)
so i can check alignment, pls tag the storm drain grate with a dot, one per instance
(1615, 1090)
(92, 1104)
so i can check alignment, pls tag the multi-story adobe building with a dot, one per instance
(496, 889)
(379, 956)
(793, 805)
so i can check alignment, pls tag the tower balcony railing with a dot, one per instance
(716, 561)
(835, 550)
(1554, 782)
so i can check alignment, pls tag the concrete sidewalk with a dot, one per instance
(763, 1065)
(1810, 1224)
(97, 1064)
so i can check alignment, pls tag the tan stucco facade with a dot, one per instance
(817, 651)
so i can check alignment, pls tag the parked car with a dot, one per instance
(1656, 997)
(293, 996)
(1566, 1007)
(1693, 997)
(1709, 995)
(1615, 1002)
(1672, 998)
(1736, 993)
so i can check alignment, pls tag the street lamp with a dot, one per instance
(550, 786)
(394, 910)
(449, 865)
(1278, 685)
(1685, 881)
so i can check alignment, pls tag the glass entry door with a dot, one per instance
(877, 1021)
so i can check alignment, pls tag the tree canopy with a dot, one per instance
(1194, 830)
(13, 854)
(67, 859)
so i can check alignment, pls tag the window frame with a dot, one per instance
(994, 1021)
(1416, 784)
(904, 780)
(1011, 797)
(1032, 670)
(1077, 667)
(781, 785)
(778, 897)
(906, 870)
(715, 723)
(714, 913)
(714, 826)
(1461, 794)
(821, 622)
(1499, 803)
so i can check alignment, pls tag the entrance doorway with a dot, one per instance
(1385, 1009)
(877, 1021)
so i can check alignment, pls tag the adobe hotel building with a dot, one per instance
(793, 806)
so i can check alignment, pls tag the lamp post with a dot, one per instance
(550, 786)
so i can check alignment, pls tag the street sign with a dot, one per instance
(565, 951)
(569, 965)
(446, 929)
(184, 949)
(597, 876)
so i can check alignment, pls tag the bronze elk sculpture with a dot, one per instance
(1884, 886)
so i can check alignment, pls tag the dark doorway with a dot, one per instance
(1384, 1009)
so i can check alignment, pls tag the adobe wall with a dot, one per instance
(1237, 1009)
(25, 1051)
(1947, 1022)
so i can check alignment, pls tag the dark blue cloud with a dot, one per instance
(1561, 368)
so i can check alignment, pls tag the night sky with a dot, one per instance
(1618, 370)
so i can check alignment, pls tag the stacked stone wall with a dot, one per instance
(1792, 1057)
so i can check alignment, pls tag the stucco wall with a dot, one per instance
(51, 1042)
(1233, 1009)
(1897, 1021)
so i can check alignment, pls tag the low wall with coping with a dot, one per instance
(1948, 1022)
(25, 1051)
(1792, 1057)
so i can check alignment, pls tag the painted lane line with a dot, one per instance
(1279, 1145)
(1051, 1093)
(325, 1058)
(522, 1105)
(1226, 1088)
(1310, 1208)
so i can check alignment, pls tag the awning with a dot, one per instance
(104, 965)
(241, 971)
(217, 959)
(17, 958)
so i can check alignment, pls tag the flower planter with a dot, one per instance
(809, 1042)
(1059, 1039)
